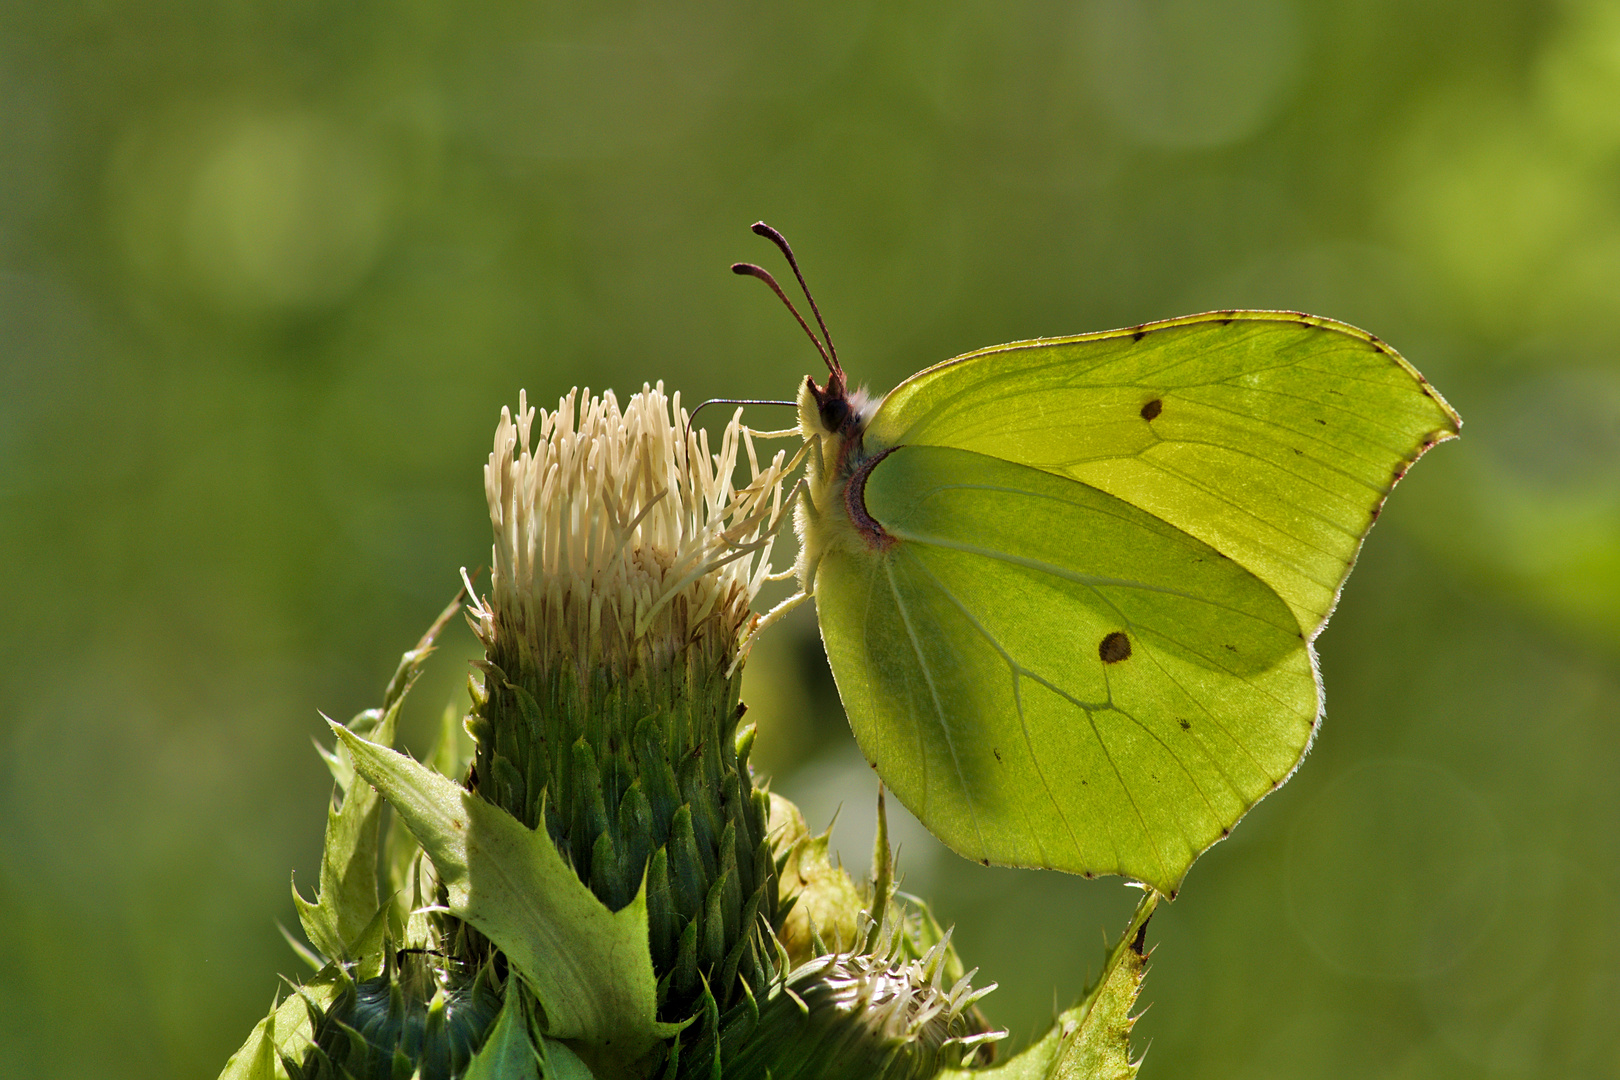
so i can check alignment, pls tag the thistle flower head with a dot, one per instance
(619, 537)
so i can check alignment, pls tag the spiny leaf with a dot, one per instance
(348, 900)
(508, 1052)
(286, 1031)
(590, 967)
(1092, 1040)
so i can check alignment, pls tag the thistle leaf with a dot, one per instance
(590, 967)
(285, 1032)
(347, 900)
(563, 1064)
(348, 892)
(508, 1052)
(1091, 1041)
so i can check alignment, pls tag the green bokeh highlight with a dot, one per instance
(268, 272)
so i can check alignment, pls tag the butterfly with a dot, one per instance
(1069, 587)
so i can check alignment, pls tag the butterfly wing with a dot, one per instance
(1087, 644)
(1048, 676)
(1273, 437)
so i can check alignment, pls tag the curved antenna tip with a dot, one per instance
(830, 352)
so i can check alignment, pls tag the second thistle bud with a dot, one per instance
(861, 1017)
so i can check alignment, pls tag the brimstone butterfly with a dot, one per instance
(1068, 587)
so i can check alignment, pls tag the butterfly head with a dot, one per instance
(833, 409)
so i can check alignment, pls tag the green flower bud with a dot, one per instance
(625, 562)
(424, 1009)
(854, 1016)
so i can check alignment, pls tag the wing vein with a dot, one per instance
(939, 708)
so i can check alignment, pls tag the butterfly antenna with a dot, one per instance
(762, 229)
(691, 417)
(765, 275)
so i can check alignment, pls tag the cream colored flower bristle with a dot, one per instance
(615, 544)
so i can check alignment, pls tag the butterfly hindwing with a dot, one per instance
(1049, 676)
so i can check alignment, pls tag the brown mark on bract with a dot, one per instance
(1114, 648)
(996, 752)
(1185, 724)
(1152, 409)
(1139, 335)
(1319, 420)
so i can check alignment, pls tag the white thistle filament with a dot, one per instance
(616, 545)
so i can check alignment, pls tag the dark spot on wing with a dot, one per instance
(1114, 648)
(1185, 724)
(1152, 409)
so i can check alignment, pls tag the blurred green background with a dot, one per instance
(269, 271)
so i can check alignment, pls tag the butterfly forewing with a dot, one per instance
(1273, 437)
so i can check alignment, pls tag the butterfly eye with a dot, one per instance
(835, 413)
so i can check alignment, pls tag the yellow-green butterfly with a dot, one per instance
(1068, 587)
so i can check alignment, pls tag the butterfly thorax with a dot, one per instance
(834, 514)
